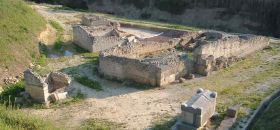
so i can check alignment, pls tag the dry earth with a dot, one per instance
(138, 109)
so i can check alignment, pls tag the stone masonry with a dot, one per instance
(197, 111)
(216, 50)
(97, 33)
(43, 89)
(153, 61)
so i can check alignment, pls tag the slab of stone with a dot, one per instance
(57, 80)
(232, 112)
(58, 96)
(227, 123)
(198, 110)
(32, 78)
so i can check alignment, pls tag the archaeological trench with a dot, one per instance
(167, 57)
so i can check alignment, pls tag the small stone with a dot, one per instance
(232, 112)
(31, 65)
(182, 80)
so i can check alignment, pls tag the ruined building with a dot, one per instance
(96, 34)
(163, 58)
(216, 50)
(153, 61)
(46, 89)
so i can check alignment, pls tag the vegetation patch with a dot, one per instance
(234, 90)
(164, 122)
(19, 27)
(101, 124)
(270, 119)
(89, 83)
(10, 92)
(16, 120)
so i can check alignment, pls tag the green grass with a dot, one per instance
(67, 8)
(92, 57)
(19, 28)
(59, 40)
(7, 97)
(270, 120)
(164, 122)
(89, 83)
(101, 124)
(233, 90)
(16, 120)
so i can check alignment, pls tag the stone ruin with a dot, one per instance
(153, 61)
(46, 89)
(215, 50)
(157, 61)
(173, 55)
(97, 33)
(197, 111)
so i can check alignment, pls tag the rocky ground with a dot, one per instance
(137, 108)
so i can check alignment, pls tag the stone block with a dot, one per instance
(32, 78)
(232, 112)
(57, 80)
(58, 96)
(197, 111)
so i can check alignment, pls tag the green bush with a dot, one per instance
(10, 92)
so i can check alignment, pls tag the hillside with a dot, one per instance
(19, 27)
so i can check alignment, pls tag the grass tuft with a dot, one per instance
(89, 83)
(101, 124)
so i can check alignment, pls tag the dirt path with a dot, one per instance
(138, 109)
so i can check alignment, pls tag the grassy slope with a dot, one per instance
(19, 28)
(270, 119)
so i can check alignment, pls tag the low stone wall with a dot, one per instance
(216, 50)
(122, 68)
(220, 44)
(82, 38)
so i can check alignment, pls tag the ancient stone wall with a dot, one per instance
(220, 44)
(42, 89)
(122, 68)
(82, 38)
(216, 50)
(36, 87)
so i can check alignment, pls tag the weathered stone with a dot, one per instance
(32, 78)
(10, 80)
(190, 76)
(182, 80)
(38, 88)
(225, 49)
(197, 111)
(227, 123)
(232, 112)
(58, 96)
(221, 62)
(57, 80)
(204, 64)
